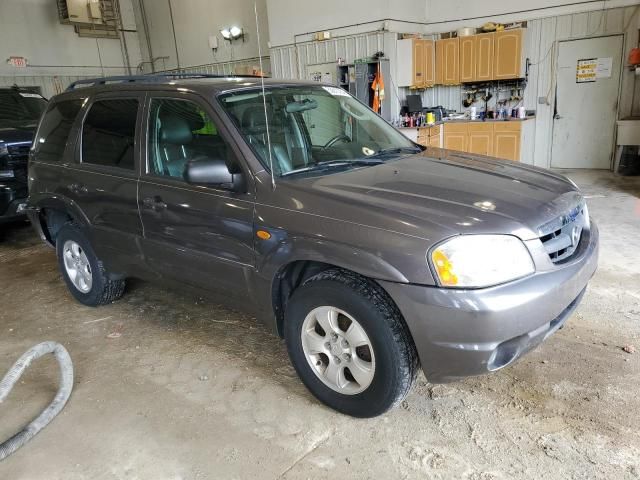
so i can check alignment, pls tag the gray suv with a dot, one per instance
(369, 254)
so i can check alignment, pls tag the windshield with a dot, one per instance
(18, 109)
(313, 128)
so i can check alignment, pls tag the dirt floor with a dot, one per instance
(172, 387)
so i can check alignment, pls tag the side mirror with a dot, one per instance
(213, 173)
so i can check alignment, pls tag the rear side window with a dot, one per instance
(109, 133)
(55, 128)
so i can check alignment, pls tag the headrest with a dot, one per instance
(253, 119)
(175, 130)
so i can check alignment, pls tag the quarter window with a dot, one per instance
(55, 128)
(181, 131)
(109, 132)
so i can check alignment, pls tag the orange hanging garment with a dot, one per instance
(378, 90)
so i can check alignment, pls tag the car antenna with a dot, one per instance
(264, 98)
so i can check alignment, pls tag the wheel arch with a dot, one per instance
(290, 276)
(54, 212)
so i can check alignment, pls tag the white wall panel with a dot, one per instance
(31, 29)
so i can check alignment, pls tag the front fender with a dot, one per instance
(282, 249)
(371, 252)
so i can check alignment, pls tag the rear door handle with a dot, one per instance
(154, 203)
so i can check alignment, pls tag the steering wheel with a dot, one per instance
(342, 137)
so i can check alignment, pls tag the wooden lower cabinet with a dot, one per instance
(430, 136)
(496, 139)
(456, 136)
(434, 141)
(506, 140)
(480, 138)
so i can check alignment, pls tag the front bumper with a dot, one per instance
(13, 200)
(459, 333)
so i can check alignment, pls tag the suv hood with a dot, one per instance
(439, 193)
(9, 135)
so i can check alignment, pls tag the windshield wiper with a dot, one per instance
(334, 163)
(394, 150)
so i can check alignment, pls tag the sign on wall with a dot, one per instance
(586, 70)
(18, 62)
(590, 69)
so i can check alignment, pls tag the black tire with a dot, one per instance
(103, 290)
(396, 358)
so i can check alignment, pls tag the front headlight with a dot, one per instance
(3, 149)
(475, 261)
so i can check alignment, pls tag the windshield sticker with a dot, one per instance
(336, 91)
(30, 95)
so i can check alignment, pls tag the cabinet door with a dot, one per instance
(434, 141)
(439, 62)
(508, 54)
(418, 63)
(506, 140)
(451, 64)
(480, 138)
(456, 136)
(429, 63)
(423, 136)
(483, 55)
(467, 59)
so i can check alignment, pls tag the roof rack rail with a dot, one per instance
(151, 78)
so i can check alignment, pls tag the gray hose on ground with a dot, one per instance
(58, 403)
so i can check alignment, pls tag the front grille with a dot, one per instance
(561, 236)
(18, 152)
(17, 160)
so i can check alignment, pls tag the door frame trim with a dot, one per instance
(623, 35)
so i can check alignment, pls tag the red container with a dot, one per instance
(634, 56)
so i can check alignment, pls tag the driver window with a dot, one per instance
(181, 131)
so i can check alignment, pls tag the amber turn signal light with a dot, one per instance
(263, 234)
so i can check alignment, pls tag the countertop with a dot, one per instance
(468, 120)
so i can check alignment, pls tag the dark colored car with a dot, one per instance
(369, 254)
(20, 111)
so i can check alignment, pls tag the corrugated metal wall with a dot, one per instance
(50, 85)
(291, 61)
(540, 47)
(541, 43)
(227, 68)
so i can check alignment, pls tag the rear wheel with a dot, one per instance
(349, 344)
(82, 271)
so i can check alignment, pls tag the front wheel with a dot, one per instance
(349, 344)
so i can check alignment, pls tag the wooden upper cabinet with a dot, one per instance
(467, 59)
(450, 61)
(447, 62)
(429, 63)
(483, 56)
(507, 62)
(439, 62)
(418, 63)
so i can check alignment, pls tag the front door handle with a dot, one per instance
(557, 116)
(154, 203)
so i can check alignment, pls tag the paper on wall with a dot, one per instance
(603, 67)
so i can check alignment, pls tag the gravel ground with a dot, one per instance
(169, 386)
